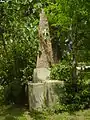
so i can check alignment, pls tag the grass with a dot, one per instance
(14, 113)
(80, 115)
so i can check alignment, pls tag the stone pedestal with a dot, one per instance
(36, 96)
(43, 94)
(51, 92)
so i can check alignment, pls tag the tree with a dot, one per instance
(72, 21)
(18, 46)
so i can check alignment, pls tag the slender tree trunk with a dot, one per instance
(74, 58)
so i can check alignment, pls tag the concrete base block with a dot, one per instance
(36, 96)
(51, 91)
(43, 94)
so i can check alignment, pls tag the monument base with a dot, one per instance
(44, 94)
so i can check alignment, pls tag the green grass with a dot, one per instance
(80, 115)
(13, 113)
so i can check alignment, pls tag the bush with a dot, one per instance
(74, 96)
(61, 71)
(18, 50)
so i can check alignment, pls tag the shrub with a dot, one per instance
(71, 98)
(18, 48)
(61, 71)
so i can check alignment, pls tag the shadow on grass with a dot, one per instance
(11, 113)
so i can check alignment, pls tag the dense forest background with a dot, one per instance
(69, 22)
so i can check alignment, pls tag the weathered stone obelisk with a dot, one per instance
(45, 56)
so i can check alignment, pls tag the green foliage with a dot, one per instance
(18, 47)
(61, 71)
(74, 96)
(69, 24)
(69, 21)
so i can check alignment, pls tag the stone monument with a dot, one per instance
(45, 56)
(41, 89)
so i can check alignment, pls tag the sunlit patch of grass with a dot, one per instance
(80, 115)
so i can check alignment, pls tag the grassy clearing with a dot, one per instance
(13, 113)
